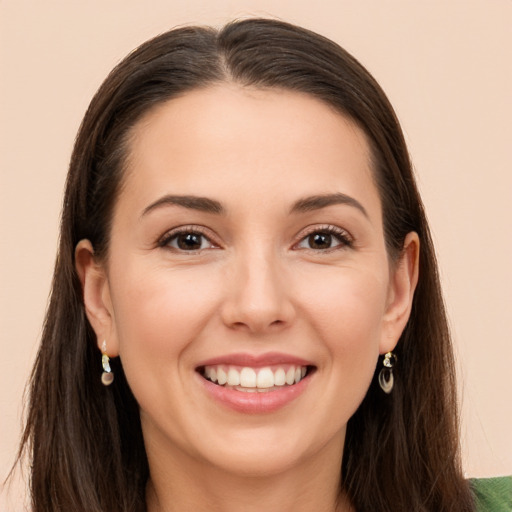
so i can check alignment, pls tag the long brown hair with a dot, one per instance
(85, 441)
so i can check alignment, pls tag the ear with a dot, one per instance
(96, 294)
(403, 281)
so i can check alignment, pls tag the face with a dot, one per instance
(247, 290)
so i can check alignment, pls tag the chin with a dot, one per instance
(269, 451)
(257, 463)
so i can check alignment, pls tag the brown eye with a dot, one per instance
(325, 239)
(188, 241)
(320, 241)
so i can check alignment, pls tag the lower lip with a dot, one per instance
(255, 402)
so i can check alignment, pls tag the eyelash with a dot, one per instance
(344, 239)
(165, 240)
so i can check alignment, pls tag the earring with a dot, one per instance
(107, 377)
(386, 379)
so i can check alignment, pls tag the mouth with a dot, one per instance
(249, 379)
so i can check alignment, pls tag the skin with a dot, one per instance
(256, 284)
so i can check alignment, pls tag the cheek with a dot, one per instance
(350, 300)
(346, 310)
(158, 313)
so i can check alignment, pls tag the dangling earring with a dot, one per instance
(386, 379)
(107, 377)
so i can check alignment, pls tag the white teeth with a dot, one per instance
(222, 378)
(248, 378)
(290, 376)
(254, 379)
(233, 377)
(265, 378)
(279, 377)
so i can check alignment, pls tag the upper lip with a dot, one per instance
(256, 360)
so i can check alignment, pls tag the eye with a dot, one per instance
(186, 239)
(323, 239)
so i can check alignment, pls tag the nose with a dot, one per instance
(258, 295)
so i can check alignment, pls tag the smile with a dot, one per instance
(251, 380)
(255, 384)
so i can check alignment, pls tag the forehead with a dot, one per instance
(229, 138)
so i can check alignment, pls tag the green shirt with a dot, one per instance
(493, 494)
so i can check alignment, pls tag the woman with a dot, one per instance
(246, 312)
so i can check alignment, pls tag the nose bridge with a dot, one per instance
(257, 294)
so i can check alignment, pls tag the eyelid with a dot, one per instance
(164, 240)
(345, 237)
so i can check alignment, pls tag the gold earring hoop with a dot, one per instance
(386, 379)
(107, 377)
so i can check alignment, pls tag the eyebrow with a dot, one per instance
(317, 202)
(208, 205)
(203, 204)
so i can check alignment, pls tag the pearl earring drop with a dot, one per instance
(107, 377)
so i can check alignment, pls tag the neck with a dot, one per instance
(314, 485)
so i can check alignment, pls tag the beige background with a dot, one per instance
(446, 66)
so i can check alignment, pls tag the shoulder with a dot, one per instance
(492, 494)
